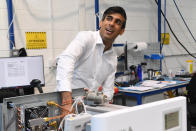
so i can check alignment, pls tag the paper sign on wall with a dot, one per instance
(36, 40)
(165, 38)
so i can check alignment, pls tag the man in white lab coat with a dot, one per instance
(89, 61)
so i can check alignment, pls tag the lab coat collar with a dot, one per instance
(100, 42)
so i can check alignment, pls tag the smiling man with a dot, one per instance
(89, 61)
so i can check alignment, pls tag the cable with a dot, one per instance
(184, 20)
(164, 26)
(51, 118)
(52, 103)
(61, 123)
(174, 34)
(8, 35)
(77, 100)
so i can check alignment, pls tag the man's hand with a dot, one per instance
(66, 109)
(66, 98)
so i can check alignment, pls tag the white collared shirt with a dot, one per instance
(84, 64)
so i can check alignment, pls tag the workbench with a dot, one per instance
(141, 94)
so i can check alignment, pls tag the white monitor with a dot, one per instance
(164, 115)
(20, 71)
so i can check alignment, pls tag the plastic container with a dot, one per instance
(144, 70)
(190, 66)
(150, 74)
(139, 71)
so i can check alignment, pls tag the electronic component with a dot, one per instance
(77, 122)
(164, 115)
(41, 112)
(33, 115)
(92, 98)
(27, 113)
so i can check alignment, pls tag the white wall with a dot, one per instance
(175, 60)
(62, 19)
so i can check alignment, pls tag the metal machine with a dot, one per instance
(41, 112)
(29, 113)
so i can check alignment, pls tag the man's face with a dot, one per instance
(111, 27)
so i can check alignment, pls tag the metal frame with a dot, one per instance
(8, 115)
(159, 29)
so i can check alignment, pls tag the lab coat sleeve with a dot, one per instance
(108, 86)
(66, 62)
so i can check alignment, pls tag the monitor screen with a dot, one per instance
(164, 115)
(20, 71)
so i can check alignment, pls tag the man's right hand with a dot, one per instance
(66, 98)
(66, 109)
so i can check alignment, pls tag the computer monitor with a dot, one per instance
(20, 71)
(164, 115)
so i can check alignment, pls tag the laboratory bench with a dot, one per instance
(130, 97)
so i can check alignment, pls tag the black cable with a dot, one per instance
(125, 52)
(174, 34)
(184, 20)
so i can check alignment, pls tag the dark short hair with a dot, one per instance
(115, 9)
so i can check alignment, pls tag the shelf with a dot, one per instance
(154, 57)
